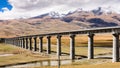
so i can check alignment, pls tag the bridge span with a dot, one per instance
(22, 41)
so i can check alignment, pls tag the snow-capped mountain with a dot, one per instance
(104, 10)
(56, 22)
(96, 11)
(54, 14)
(51, 14)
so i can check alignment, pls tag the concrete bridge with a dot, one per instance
(23, 41)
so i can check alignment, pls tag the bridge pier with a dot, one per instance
(30, 43)
(26, 43)
(18, 42)
(48, 44)
(72, 46)
(23, 42)
(12, 41)
(115, 47)
(59, 45)
(90, 46)
(41, 44)
(35, 43)
(15, 42)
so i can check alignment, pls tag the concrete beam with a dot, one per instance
(90, 46)
(59, 45)
(72, 46)
(115, 47)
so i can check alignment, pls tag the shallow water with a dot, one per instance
(2, 55)
(41, 63)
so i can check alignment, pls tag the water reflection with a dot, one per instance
(41, 63)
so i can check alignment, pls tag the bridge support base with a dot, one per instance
(26, 43)
(115, 48)
(90, 46)
(59, 45)
(72, 46)
(48, 44)
(30, 41)
(35, 43)
(41, 44)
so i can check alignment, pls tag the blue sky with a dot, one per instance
(4, 4)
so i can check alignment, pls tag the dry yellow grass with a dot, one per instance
(19, 55)
(81, 40)
(105, 65)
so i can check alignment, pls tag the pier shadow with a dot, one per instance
(103, 58)
(78, 56)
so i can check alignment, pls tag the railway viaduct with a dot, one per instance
(22, 41)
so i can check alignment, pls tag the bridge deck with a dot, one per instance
(84, 31)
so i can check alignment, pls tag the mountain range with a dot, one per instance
(55, 22)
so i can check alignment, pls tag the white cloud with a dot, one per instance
(29, 8)
(5, 9)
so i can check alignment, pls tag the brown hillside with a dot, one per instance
(47, 24)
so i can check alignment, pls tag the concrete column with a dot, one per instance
(13, 41)
(26, 43)
(59, 45)
(30, 41)
(115, 47)
(41, 44)
(17, 41)
(35, 43)
(90, 46)
(72, 46)
(23, 42)
(48, 44)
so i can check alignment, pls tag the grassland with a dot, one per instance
(19, 55)
(81, 40)
(105, 65)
